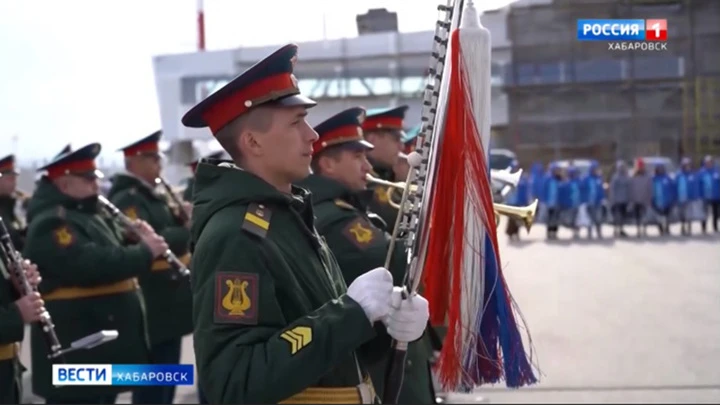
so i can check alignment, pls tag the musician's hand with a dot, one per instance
(143, 228)
(32, 273)
(31, 307)
(156, 243)
(408, 317)
(372, 291)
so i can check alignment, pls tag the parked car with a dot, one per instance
(501, 159)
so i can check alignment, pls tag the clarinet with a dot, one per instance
(181, 212)
(13, 262)
(127, 223)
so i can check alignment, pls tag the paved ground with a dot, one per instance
(612, 321)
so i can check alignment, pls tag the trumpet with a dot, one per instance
(525, 214)
(506, 176)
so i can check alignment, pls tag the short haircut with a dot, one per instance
(257, 119)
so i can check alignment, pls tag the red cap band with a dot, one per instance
(382, 123)
(78, 166)
(338, 135)
(235, 104)
(7, 166)
(139, 149)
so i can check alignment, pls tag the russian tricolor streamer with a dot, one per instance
(463, 276)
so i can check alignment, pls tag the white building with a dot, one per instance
(375, 70)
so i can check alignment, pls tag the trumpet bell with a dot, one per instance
(525, 214)
(506, 176)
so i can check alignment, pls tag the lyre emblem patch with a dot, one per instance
(63, 236)
(381, 194)
(360, 233)
(236, 298)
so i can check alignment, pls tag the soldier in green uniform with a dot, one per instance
(89, 277)
(384, 129)
(11, 199)
(134, 192)
(15, 313)
(340, 200)
(274, 320)
(187, 193)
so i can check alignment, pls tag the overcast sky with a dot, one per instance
(81, 70)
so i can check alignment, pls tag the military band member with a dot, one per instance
(384, 129)
(134, 192)
(89, 277)
(187, 193)
(340, 200)
(11, 200)
(401, 168)
(274, 321)
(15, 313)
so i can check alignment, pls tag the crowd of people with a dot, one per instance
(639, 197)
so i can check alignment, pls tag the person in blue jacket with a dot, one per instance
(663, 198)
(537, 181)
(593, 196)
(687, 193)
(551, 198)
(571, 198)
(710, 191)
(518, 197)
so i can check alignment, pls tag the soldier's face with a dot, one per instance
(349, 167)
(387, 146)
(8, 183)
(286, 148)
(79, 187)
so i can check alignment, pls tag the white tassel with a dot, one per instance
(475, 56)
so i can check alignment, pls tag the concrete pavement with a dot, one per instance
(623, 320)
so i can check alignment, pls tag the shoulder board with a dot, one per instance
(344, 204)
(257, 220)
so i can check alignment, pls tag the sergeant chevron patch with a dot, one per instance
(298, 337)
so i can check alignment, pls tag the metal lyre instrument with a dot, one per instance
(128, 223)
(12, 260)
(176, 200)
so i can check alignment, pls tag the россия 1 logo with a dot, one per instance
(634, 34)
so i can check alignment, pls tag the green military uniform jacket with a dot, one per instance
(188, 192)
(360, 246)
(89, 284)
(270, 310)
(380, 203)
(165, 293)
(12, 331)
(15, 225)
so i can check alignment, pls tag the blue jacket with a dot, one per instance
(687, 186)
(520, 196)
(592, 190)
(571, 191)
(537, 182)
(710, 183)
(551, 192)
(663, 191)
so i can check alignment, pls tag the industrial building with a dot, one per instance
(380, 67)
(570, 98)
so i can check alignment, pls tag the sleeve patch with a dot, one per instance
(381, 194)
(236, 298)
(63, 236)
(298, 338)
(360, 233)
(131, 212)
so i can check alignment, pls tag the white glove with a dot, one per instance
(408, 317)
(372, 291)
